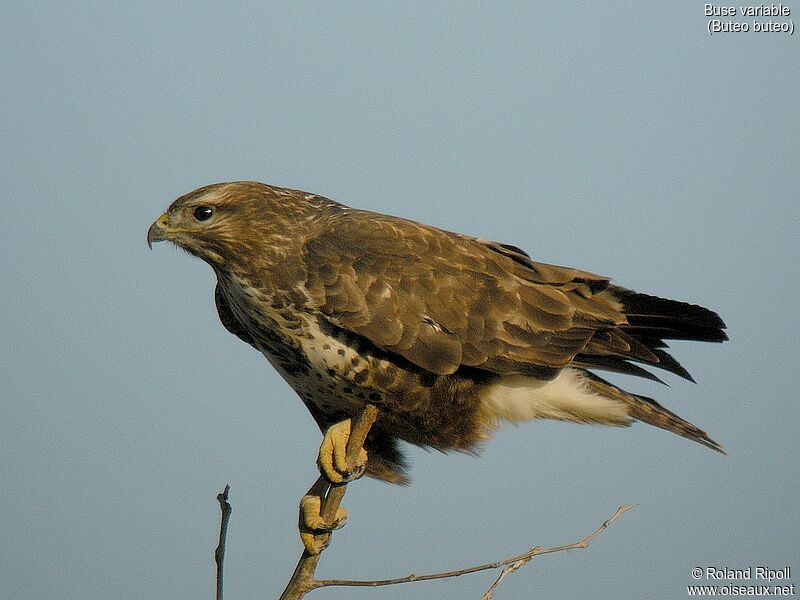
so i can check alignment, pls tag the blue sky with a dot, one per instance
(616, 137)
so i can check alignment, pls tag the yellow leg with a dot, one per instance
(315, 532)
(332, 460)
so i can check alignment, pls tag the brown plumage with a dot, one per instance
(445, 333)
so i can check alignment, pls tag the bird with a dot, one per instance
(448, 335)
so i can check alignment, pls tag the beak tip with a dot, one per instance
(156, 232)
(151, 236)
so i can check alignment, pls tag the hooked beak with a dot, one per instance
(158, 230)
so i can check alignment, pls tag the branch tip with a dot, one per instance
(511, 564)
(219, 553)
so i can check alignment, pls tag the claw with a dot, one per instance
(332, 460)
(315, 532)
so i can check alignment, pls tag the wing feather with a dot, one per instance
(444, 301)
(455, 301)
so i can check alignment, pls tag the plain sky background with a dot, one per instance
(618, 137)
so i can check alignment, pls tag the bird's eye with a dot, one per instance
(203, 213)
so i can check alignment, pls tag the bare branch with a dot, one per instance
(302, 580)
(219, 553)
(512, 563)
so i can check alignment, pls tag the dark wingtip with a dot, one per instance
(655, 317)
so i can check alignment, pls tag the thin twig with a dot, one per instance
(489, 594)
(219, 553)
(522, 559)
(302, 580)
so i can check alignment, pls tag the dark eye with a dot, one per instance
(203, 213)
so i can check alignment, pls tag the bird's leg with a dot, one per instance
(335, 470)
(332, 460)
(315, 531)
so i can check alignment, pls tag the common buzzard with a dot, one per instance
(448, 335)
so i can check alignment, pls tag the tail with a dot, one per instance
(649, 411)
(650, 321)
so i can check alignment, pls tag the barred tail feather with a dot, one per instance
(651, 412)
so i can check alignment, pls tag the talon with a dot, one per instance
(315, 532)
(315, 544)
(332, 459)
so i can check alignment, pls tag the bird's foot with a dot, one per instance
(315, 531)
(332, 460)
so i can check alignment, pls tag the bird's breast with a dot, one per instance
(336, 373)
(319, 362)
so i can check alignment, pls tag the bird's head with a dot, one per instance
(223, 222)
